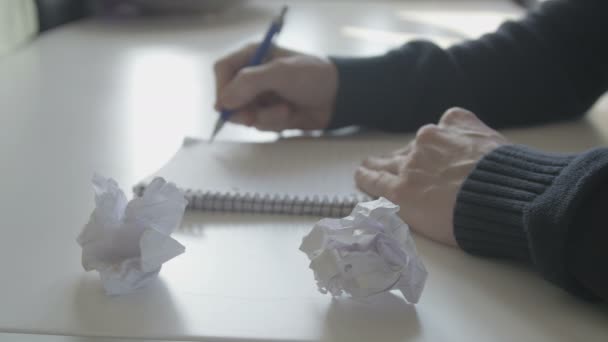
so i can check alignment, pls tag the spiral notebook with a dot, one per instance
(292, 176)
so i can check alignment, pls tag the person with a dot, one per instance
(460, 182)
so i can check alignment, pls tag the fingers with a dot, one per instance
(243, 117)
(273, 118)
(251, 82)
(226, 68)
(432, 135)
(390, 164)
(461, 118)
(376, 183)
(404, 150)
(465, 123)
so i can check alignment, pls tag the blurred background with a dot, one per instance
(120, 83)
(21, 20)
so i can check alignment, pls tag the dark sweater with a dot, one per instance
(517, 203)
(52, 13)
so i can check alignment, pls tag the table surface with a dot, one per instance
(117, 97)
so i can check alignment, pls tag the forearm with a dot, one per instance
(587, 248)
(551, 65)
(399, 91)
(528, 205)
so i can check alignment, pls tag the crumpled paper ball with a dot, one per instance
(128, 241)
(369, 252)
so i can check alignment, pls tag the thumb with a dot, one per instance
(251, 82)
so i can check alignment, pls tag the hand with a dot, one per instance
(290, 91)
(425, 176)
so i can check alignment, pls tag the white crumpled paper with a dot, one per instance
(127, 242)
(368, 252)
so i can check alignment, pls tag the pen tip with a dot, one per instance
(218, 126)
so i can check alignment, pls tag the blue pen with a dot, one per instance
(257, 59)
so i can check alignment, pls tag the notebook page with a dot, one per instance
(295, 167)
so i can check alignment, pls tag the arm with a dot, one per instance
(539, 207)
(587, 248)
(551, 65)
(461, 183)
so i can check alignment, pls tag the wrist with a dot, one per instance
(492, 201)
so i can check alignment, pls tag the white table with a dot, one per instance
(118, 97)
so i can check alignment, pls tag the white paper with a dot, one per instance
(368, 252)
(127, 242)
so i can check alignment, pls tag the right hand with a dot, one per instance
(290, 90)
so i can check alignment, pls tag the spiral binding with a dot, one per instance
(267, 204)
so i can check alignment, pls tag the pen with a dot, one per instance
(257, 59)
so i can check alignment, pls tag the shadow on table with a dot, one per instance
(149, 312)
(384, 317)
(193, 223)
(153, 25)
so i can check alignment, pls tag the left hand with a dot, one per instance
(425, 176)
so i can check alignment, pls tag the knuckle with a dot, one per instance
(245, 76)
(427, 132)
(455, 114)
(282, 64)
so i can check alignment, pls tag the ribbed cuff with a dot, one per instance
(490, 207)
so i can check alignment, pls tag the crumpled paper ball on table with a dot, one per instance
(128, 241)
(369, 252)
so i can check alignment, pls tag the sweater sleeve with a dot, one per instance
(551, 65)
(587, 247)
(524, 204)
(52, 13)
